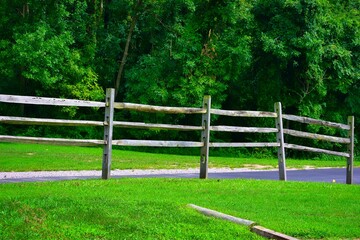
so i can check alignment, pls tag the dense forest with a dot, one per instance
(246, 54)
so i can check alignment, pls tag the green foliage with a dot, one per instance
(49, 52)
(38, 54)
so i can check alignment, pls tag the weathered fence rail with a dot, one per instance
(205, 128)
(316, 121)
(49, 101)
(48, 122)
(55, 141)
(154, 109)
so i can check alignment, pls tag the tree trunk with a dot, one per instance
(126, 50)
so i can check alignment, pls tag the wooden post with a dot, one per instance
(205, 138)
(280, 140)
(108, 132)
(350, 159)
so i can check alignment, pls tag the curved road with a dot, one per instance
(312, 175)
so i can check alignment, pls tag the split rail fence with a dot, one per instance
(206, 111)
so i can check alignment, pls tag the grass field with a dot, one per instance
(156, 209)
(36, 157)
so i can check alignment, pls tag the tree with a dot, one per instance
(310, 50)
(126, 50)
(47, 49)
(246, 54)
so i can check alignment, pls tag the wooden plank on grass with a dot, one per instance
(52, 141)
(270, 234)
(212, 213)
(49, 101)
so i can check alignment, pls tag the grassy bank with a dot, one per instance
(36, 157)
(156, 209)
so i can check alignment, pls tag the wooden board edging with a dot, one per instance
(209, 212)
(268, 233)
(253, 226)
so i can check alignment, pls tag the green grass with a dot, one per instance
(36, 157)
(156, 209)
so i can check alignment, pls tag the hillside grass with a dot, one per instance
(157, 209)
(39, 157)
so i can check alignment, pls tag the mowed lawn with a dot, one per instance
(37, 157)
(157, 209)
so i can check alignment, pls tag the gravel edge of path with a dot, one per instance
(117, 172)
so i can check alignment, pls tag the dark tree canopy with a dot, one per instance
(246, 54)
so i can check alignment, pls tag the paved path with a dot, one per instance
(312, 175)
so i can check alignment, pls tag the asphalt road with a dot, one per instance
(312, 175)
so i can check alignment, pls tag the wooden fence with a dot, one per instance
(206, 111)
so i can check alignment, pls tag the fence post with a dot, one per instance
(280, 140)
(350, 159)
(108, 132)
(205, 138)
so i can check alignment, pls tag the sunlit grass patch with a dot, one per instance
(36, 157)
(156, 209)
